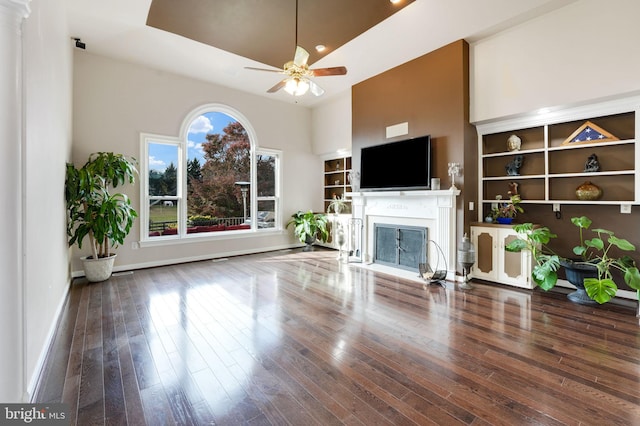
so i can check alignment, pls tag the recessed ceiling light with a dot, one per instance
(320, 48)
(395, 1)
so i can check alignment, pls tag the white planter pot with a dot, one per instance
(96, 270)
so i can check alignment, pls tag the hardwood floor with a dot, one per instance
(298, 338)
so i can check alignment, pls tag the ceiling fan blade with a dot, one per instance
(301, 57)
(321, 72)
(277, 86)
(315, 89)
(262, 69)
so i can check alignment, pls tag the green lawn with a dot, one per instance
(159, 213)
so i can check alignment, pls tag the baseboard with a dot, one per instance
(176, 261)
(32, 387)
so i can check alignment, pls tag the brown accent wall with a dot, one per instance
(431, 93)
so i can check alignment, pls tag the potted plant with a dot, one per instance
(309, 227)
(594, 256)
(505, 211)
(96, 213)
(337, 204)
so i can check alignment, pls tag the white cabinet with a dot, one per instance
(494, 263)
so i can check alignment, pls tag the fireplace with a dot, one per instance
(433, 211)
(399, 246)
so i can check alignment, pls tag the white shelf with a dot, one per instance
(519, 177)
(510, 153)
(551, 171)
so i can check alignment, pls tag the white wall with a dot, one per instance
(47, 145)
(114, 101)
(586, 50)
(331, 126)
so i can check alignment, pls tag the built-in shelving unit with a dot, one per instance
(336, 181)
(552, 169)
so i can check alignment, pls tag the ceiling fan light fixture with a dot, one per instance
(296, 86)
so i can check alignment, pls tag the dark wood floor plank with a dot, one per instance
(293, 337)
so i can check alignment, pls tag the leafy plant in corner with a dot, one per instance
(595, 251)
(92, 210)
(309, 226)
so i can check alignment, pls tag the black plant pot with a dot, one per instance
(309, 243)
(576, 273)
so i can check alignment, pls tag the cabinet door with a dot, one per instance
(513, 268)
(485, 242)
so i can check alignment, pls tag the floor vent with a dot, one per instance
(121, 274)
(222, 259)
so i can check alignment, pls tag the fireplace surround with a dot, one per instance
(433, 210)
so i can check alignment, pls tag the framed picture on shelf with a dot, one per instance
(589, 133)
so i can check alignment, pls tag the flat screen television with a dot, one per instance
(401, 165)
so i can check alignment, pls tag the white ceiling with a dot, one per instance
(116, 28)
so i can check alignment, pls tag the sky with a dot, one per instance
(160, 156)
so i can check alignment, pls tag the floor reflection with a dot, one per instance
(302, 338)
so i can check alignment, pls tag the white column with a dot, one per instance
(12, 15)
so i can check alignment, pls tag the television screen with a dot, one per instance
(396, 165)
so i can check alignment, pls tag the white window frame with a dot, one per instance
(181, 143)
(278, 184)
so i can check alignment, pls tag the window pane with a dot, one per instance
(163, 217)
(266, 214)
(266, 168)
(218, 170)
(163, 172)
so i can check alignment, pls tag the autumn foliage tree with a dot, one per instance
(227, 160)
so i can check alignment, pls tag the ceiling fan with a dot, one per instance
(298, 80)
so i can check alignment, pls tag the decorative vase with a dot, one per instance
(309, 240)
(505, 220)
(514, 143)
(588, 192)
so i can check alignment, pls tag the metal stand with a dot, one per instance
(439, 275)
(355, 241)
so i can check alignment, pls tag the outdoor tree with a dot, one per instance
(164, 183)
(227, 161)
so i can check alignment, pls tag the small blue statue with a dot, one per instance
(592, 164)
(513, 166)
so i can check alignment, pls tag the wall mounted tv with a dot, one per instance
(401, 165)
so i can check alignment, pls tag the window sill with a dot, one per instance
(214, 236)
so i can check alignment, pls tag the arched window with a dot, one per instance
(210, 181)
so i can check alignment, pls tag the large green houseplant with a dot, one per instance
(309, 227)
(594, 252)
(94, 212)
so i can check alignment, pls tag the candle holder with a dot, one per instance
(454, 170)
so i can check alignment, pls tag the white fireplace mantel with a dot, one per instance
(434, 210)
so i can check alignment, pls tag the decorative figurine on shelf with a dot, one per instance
(514, 143)
(592, 164)
(513, 188)
(513, 166)
(354, 181)
(454, 170)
